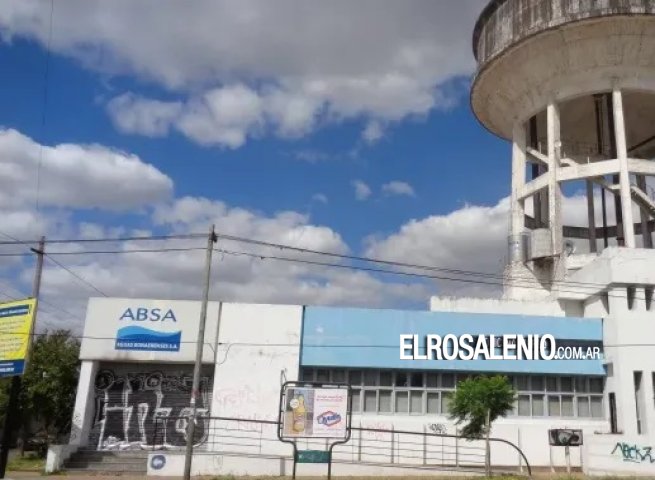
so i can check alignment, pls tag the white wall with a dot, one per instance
(493, 305)
(84, 405)
(629, 337)
(259, 349)
(619, 455)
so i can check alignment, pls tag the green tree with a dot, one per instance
(48, 386)
(477, 403)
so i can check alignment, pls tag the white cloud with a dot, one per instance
(398, 188)
(320, 197)
(225, 116)
(79, 176)
(472, 238)
(134, 114)
(178, 274)
(362, 190)
(372, 132)
(311, 156)
(310, 64)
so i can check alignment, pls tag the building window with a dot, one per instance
(428, 393)
(433, 403)
(385, 402)
(370, 401)
(416, 402)
(524, 405)
(553, 406)
(355, 398)
(322, 375)
(370, 378)
(402, 402)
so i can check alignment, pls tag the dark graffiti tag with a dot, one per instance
(634, 453)
(136, 410)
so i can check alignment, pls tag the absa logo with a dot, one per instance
(144, 314)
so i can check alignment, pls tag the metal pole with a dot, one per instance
(567, 453)
(487, 452)
(211, 239)
(12, 406)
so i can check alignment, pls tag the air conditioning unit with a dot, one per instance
(541, 245)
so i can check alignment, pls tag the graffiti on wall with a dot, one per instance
(438, 428)
(133, 409)
(634, 453)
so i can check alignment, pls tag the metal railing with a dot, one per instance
(367, 446)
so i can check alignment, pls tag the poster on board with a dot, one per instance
(15, 326)
(311, 412)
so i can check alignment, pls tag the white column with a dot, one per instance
(554, 191)
(84, 404)
(624, 175)
(518, 182)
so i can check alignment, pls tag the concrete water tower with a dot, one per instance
(571, 83)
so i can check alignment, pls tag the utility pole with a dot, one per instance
(191, 424)
(12, 404)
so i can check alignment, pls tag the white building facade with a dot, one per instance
(137, 362)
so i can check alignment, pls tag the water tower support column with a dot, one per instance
(554, 190)
(518, 182)
(624, 175)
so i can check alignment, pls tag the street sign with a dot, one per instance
(16, 320)
(312, 456)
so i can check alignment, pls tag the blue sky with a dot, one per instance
(234, 114)
(446, 156)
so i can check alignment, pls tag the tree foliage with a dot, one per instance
(48, 386)
(475, 398)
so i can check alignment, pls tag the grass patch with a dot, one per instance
(28, 463)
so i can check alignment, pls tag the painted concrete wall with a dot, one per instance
(619, 454)
(259, 349)
(493, 305)
(84, 404)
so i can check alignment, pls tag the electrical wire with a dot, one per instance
(75, 275)
(185, 236)
(523, 282)
(229, 345)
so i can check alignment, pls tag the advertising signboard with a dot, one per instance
(314, 412)
(15, 326)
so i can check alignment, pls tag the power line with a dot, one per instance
(574, 288)
(186, 236)
(318, 345)
(78, 277)
(395, 272)
(387, 262)
(503, 279)
(110, 252)
(42, 301)
(524, 282)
